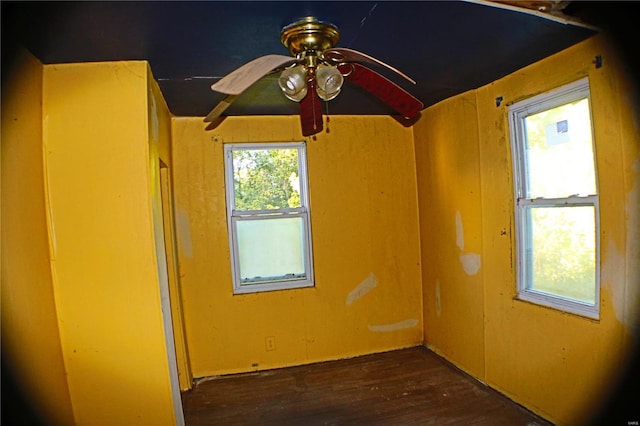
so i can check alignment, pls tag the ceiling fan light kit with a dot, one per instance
(293, 83)
(329, 81)
(316, 71)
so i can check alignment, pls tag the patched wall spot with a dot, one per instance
(385, 328)
(470, 263)
(459, 231)
(363, 288)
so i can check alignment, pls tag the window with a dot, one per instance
(556, 200)
(268, 216)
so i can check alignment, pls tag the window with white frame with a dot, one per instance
(268, 216)
(556, 200)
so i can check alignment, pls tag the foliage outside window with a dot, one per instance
(268, 216)
(556, 200)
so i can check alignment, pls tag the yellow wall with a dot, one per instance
(161, 169)
(557, 364)
(30, 336)
(365, 233)
(100, 205)
(448, 173)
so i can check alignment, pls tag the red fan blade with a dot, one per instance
(340, 55)
(311, 111)
(383, 88)
(239, 80)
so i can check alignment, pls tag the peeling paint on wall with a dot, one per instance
(184, 233)
(363, 288)
(470, 263)
(383, 328)
(459, 231)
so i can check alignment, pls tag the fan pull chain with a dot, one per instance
(327, 114)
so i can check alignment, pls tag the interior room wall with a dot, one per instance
(559, 365)
(161, 168)
(31, 349)
(367, 294)
(104, 258)
(449, 194)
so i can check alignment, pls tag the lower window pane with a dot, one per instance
(271, 250)
(560, 252)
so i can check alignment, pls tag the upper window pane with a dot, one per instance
(559, 152)
(266, 179)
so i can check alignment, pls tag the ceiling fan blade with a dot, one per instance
(383, 88)
(311, 111)
(220, 108)
(340, 54)
(239, 80)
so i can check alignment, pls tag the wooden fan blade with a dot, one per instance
(339, 54)
(239, 80)
(220, 108)
(311, 111)
(383, 88)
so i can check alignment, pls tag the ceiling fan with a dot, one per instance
(314, 73)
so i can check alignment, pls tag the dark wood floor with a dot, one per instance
(404, 387)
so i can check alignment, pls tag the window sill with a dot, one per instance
(583, 310)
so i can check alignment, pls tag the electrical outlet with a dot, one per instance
(270, 343)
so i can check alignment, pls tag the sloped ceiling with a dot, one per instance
(448, 47)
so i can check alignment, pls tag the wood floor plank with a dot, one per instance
(404, 387)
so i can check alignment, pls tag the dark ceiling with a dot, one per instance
(448, 47)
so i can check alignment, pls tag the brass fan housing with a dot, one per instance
(309, 34)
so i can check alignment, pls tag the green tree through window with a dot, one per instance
(266, 179)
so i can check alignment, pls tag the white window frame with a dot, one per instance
(518, 112)
(234, 216)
